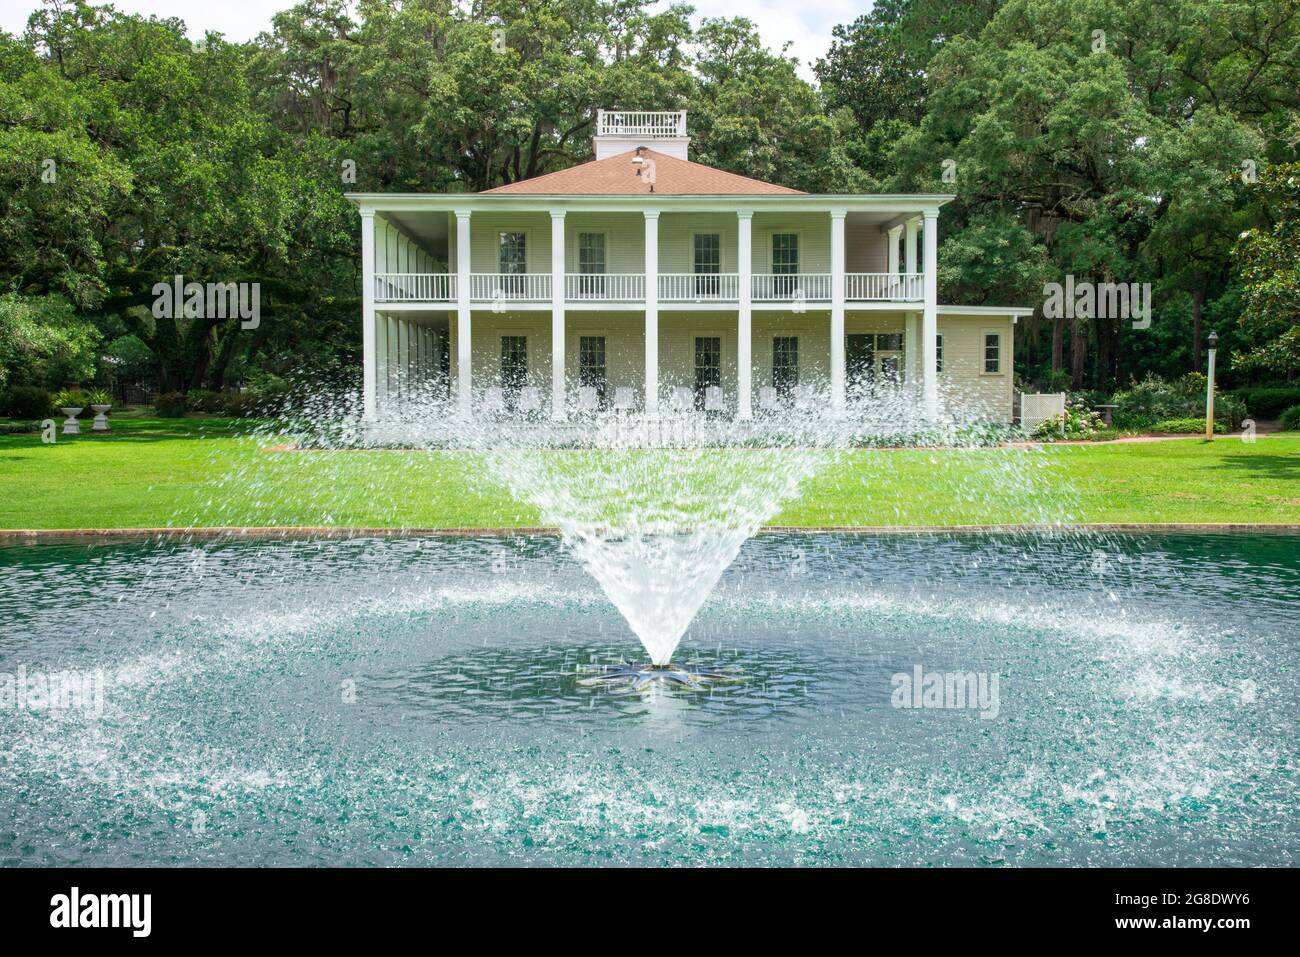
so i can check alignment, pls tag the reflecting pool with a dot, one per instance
(420, 700)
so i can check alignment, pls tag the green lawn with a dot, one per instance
(201, 472)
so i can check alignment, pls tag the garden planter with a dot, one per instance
(101, 418)
(70, 425)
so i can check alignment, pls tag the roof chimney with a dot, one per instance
(620, 131)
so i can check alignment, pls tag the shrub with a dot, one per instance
(241, 405)
(1152, 400)
(1187, 426)
(1268, 402)
(170, 405)
(19, 428)
(71, 399)
(98, 397)
(204, 400)
(1076, 422)
(1291, 419)
(26, 402)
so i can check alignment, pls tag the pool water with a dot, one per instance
(416, 701)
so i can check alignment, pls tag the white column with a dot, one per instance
(393, 383)
(404, 356)
(381, 361)
(744, 318)
(837, 308)
(369, 366)
(894, 233)
(651, 311)
(911, 367)
(909, 245)
(557, 314)
(930, 317)
(464, 373)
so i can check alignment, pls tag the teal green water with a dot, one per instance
(384, 702)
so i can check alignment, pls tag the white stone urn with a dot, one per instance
(70, 425)
(101, 418)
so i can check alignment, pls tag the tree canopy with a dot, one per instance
(1145, 141)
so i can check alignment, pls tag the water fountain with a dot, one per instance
(655, 508)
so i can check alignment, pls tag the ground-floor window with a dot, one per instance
(785, 364)
(938, 353)
(592, 373)
(514, 365)
(889, 350)
(873, 357)
(992, 353)
(708, 366)
(860, 360)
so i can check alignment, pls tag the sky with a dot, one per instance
(807, 24)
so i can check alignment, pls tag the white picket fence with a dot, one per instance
(1038, 408)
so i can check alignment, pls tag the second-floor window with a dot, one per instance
(512, 253)
(591, 264)
(707, 263)
(591, 253)
(785, 254)
(785, 263)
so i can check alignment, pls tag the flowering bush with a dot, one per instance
(1076, 422)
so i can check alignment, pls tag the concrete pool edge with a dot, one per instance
(290, 532)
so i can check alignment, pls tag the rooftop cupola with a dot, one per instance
(620, 131)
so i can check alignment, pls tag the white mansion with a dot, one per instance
(641, 279)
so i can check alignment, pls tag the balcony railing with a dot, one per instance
(699, 287)
(640, 123)
(605, 287)
(415, 287)
(630, 287)
(883, 287)
(513, 287)
(806, 287)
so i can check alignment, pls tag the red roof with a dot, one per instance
(616, 176)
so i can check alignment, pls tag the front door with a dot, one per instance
(592, 372)
(708, 366)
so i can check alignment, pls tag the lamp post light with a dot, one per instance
(1209, 389)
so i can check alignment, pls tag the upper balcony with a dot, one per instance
(629, 288)
(699, 258)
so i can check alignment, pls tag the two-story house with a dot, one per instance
(643, 280)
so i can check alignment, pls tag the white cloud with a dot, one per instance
(806, 25)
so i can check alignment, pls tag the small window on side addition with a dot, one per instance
(992, 353)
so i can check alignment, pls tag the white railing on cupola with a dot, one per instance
(640, 123)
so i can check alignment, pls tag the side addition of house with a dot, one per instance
(642, 279)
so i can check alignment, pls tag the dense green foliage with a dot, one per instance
(1149, 141)
(1268, 403)
(1144, 404)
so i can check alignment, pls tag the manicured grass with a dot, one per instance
(202, 472)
